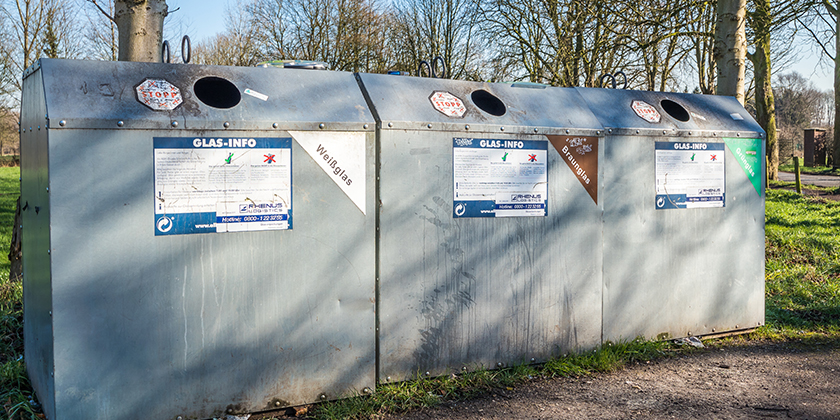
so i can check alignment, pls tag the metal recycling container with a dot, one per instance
(683, 198)
(490, 224)
(198, 240)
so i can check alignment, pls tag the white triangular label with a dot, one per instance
(342, 156)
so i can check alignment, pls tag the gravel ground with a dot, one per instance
(750, 380)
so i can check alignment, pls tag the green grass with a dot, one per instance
(802, 266)
(802, 291)
(816, 170)
(403, 396)
(15, 391)
(792, 186)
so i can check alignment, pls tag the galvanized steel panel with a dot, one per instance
(678, 272)
(35, 217)
(458, 293)
(403, 103)
(612, 108)
(99, 94)
(196, 325)
(470, 292)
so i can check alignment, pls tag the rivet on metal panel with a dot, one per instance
(714, 134)
(533, 360)
(428, 373)
(664, 132)
(390, 124)
(230, 411)
(39, 128)
(598, 133)
(567, 131)
(277, 403)
(52, 374)
(428, 126)
(275, 125)
(637, 131)
(713, 330)
(120, 123)
(738, 135)
(179, 418)
(388, 379)
(365, 126)
(226, 124)
(467, 127)
(736, 326)
(502, 128)
(500, 364)
(174, 124)
(62, 123)
(50, 313)
(689, 133)
(366, 391)
(30, 129)
(321, 125)
(322, 397)
(464, 368)
(48, 189)
(536, 130)
(688, 334)
(609, 131)
(48, 251)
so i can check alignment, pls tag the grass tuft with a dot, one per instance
(422, 393)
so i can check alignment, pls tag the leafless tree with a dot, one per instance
(236, 46)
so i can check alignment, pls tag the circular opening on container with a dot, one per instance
(675, 110)
(488, 103)
(217, 92)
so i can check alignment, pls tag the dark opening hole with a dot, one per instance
(488, 103)
(217, 92)
(675, 110)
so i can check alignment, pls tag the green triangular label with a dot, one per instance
(748, 154)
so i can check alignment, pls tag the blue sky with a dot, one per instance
(202, 19)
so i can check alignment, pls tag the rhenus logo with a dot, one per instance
(260, 208)
(526, 198)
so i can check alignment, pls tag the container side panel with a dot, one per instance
(203, 325)
(678, 272)
(468, 292)
(35, 203)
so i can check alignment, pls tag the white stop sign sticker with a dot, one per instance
(646, 111)
(448, 104)
(159, 95)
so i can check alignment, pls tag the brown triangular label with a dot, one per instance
(581, 154)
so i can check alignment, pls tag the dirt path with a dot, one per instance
(755, 380)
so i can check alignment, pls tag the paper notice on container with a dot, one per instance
(499, 178)
(207, 185)
(690, 175)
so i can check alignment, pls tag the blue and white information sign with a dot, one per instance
(500, 178)
(690, 175)
(209, 185)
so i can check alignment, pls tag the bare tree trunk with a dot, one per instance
(765, 107)
(730, 47)
(836, 152)
(140, 23)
